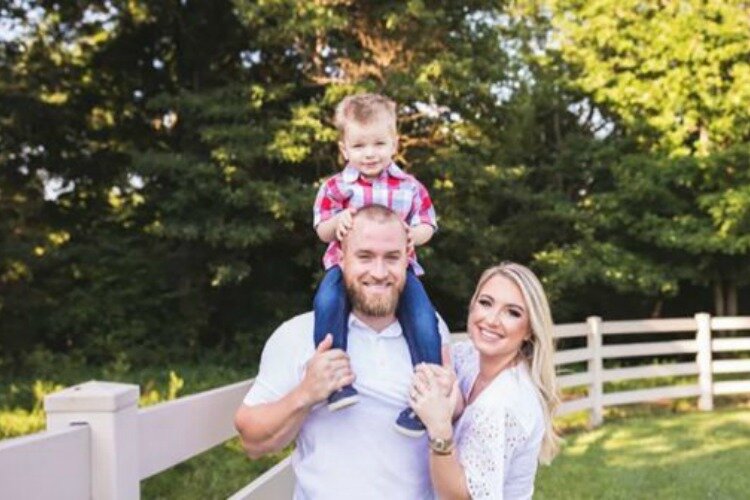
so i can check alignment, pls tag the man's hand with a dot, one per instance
(327, 371)
(344, 222)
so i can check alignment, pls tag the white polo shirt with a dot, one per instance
(353, 453)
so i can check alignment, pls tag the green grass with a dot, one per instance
(215, 474)
(683, 456)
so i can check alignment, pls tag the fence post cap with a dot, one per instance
(93, 396)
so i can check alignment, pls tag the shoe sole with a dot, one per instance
(413, 433)
(343, 403)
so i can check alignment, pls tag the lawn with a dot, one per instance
(684, 456)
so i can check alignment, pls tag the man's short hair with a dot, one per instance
(364, 108)
(374, 213)
(377, 213)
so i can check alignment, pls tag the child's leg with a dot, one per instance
(420, 327)
(418, 322)
(332, 308)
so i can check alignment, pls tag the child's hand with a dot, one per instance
(344, 223)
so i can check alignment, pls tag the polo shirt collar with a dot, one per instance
(351, 174)
(392, 330)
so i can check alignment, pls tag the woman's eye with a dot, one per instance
(514, 313)
(485, 303)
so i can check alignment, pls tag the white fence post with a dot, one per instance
(704, 359)
(111, 411)
(596, 369)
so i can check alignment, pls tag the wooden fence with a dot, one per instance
(99, 445)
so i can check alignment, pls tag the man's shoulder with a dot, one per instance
(297, 325)
(296, 331)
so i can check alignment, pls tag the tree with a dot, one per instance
(673, 78)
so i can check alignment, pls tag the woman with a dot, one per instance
(506, 378)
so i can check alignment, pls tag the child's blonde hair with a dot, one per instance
(364, 108)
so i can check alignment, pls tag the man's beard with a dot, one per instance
(375, 305)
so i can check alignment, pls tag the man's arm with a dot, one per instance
(269, 427)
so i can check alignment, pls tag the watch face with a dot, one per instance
(441, 445)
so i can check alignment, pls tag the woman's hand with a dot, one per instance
(433, 398)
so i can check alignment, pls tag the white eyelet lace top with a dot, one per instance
(499, 434)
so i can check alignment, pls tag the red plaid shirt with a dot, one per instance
(394, 189)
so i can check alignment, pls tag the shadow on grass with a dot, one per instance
(690, 456)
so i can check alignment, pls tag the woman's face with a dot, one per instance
(499, 320)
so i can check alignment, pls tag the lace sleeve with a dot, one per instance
(488, 445)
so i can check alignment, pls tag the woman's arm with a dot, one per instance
(436, 410)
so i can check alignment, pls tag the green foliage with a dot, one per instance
(661, 223)
(675, 73)
(187, 140)
(670, 81)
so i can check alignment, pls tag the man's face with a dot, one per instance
(374, 266)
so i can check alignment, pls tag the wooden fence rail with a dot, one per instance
(100, 445)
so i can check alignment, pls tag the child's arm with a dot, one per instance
(336, 227)
(421, 234)
(327, 230)
(422, 222)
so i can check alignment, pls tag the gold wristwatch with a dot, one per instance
(440, 446)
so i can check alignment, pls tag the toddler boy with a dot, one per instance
(368, 142)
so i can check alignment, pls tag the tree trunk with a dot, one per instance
(656, 311)
(718, 299)
(731, 299)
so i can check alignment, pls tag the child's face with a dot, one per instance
(369, 147)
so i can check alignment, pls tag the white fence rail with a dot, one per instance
(173, 432)
(99, 445)
(53, 464)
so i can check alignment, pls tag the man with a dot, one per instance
(355, 452)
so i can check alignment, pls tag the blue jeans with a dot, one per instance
(415, 313)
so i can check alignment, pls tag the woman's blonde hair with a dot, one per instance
(539, 349)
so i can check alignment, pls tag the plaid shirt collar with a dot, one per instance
(351, 174)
